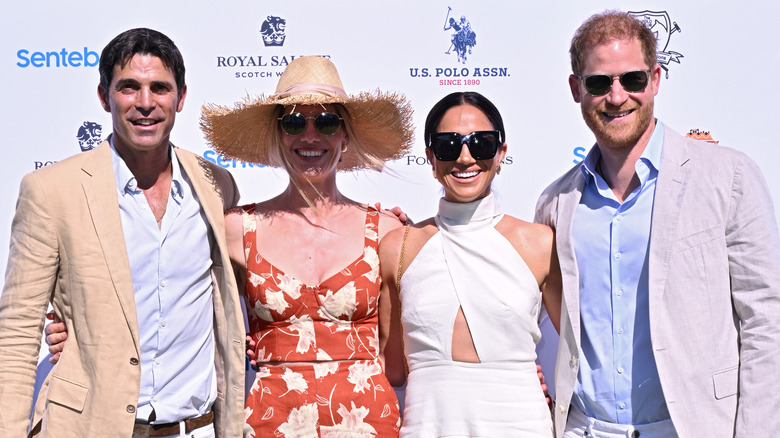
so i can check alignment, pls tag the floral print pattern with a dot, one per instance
(327, 336)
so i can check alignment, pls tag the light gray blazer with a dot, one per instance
(714, 268)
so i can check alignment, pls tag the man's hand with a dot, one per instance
(56, 334)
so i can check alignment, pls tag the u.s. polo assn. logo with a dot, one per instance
(663, 27)
(463, 37)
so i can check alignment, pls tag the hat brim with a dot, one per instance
(381, 125)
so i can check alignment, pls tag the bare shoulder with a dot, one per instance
(524, 234)
(387, 223)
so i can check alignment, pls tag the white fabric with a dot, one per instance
(469, 264)
(580, 425)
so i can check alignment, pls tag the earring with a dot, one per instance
(498, 169)
(344, 147)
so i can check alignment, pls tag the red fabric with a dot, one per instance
(328, 337)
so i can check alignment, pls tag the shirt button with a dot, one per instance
(130, 409)
(154, 398)
(143, 207)
(619, 217)
(133, 361)
(622, 405)
(620, 331)
(620, 292)
(620, 370)
(162, 323)
(157, 361)
(573, 361)
(563, 410)
(618, 255)
(163, 283)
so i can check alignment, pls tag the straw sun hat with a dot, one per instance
(381, 123)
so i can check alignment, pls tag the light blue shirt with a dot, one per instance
(170, 267)
(618, 379)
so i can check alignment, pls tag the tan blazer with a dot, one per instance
(714, 268)
(68, 248)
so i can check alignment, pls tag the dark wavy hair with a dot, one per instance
(463, 98)
(145, 42)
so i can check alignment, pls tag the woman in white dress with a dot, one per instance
(470, 281)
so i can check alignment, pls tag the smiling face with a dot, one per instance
(619, 119)
(465, 179)
(143, 101)
(312, 154)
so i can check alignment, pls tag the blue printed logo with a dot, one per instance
(663, 28)
(89, 135)
(463, 37)
(63, 58)
(272, 31)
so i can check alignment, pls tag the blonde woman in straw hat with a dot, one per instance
(308, 257)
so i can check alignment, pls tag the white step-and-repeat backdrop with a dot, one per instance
(718, 60)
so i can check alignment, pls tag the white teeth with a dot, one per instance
(621, 114)
(310, 153)
(465, 174)
(145, 122)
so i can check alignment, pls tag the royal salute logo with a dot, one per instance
(267, 62)
(272, 31)
(698, 134)
(461, 45)
(89, 135)
(663, 28)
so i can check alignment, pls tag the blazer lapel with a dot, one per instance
(568, 200)
(670, 189)
(205, 188)
(99, 186)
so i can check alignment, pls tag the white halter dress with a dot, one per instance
(468, 264)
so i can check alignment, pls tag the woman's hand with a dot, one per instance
(56, 335)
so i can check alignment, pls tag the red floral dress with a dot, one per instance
(329, 383)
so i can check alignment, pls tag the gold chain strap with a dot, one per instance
(398, 290)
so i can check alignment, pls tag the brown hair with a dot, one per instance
(610, 26)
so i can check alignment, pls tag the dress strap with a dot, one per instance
(372, 228)
(249, 222)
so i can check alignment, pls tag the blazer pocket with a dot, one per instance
(726, 382)
(66, 393)
(700, 238)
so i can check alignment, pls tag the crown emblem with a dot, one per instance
(697, 134)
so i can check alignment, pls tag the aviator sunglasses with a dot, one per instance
(295, 123)
(599, 85)
(447, 146)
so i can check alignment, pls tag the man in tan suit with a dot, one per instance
(127, 243)
(670, 260)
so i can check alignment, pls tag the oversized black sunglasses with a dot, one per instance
(632, 81)
(482, 145)
(325, 122)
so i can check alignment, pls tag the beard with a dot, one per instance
(618, 135)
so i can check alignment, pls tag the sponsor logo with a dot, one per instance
(261, 65)
(697, 134)
(579, 154)
(422, 160)
(89, 135)
(229, 163)
(463, 37)
(461, 44)
(663, 27)
(62, 58)
(272, 31)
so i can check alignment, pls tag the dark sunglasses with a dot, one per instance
(325, 122)
(632, 81)
(482, 145)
